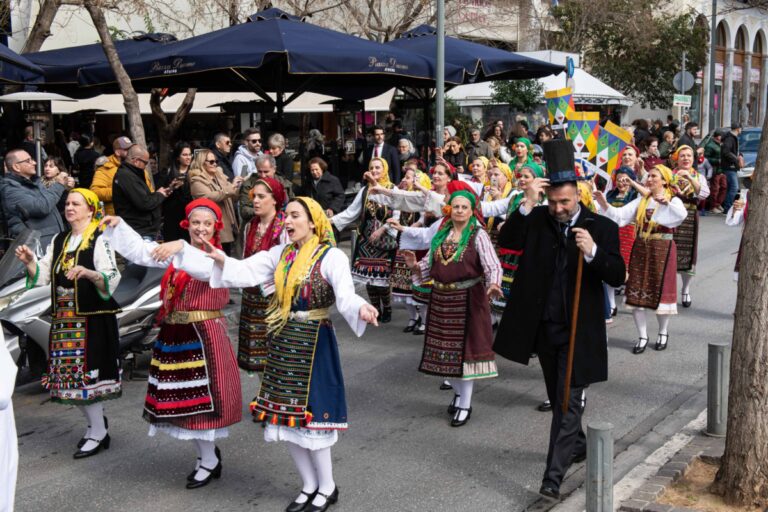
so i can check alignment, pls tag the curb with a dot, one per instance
(644, 498)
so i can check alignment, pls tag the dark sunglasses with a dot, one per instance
(211, 162)
(254, 141)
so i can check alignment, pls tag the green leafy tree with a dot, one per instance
(635, 47)
(520, 95)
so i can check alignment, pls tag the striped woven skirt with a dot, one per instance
(509, 260)
(652, 279)
(626, 241)
(194, 382)
(402, 285)
(687, 239)
(252, 339)
(303, 386)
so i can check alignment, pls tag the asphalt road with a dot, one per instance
(400, 452)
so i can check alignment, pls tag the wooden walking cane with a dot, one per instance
(574, 320)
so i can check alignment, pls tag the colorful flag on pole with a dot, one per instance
(559, 106)
(583, 128)
(612, 139)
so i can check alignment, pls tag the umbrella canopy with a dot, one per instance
(15, 69)
(273, 52)
(481, 63)
(61, 66)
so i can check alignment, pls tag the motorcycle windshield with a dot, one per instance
(11, 268)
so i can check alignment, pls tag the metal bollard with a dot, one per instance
(718, 375)
(599, 467)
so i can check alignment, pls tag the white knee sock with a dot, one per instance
(687, 278)
(81, 408)
(95, 415)
(610, 291)
(413, 312)
(305, 468)
(324, 470)
(208, 459)
(663, 323)
(640, 322)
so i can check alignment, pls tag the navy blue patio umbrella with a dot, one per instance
(481, 63)
(274, 52)
(16, 69)
(62, 66)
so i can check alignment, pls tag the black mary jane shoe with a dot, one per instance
(639, 347)
(544, 406)
(456, 422)
(103, 443)
(330, 499)
(444, 386)
(412, 323)
(386, 315)
(661, 342)
(84, 440)
(212, 473)
(686, 300)
(453, 405)
(191, 476)
(295, 506)
(420, 329)
(549, 492)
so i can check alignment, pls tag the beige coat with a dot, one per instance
(218, 189)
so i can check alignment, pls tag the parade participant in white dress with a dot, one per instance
(652, 282)
(9, 443)
(310, 275)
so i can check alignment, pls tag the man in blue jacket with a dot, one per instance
(26, 202)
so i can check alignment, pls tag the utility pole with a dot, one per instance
(440, 75)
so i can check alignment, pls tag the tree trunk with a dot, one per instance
(42, 27)
(743, 475)
(130, 98)
(168, 130)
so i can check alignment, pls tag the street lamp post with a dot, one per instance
(440, 75)
(712, 65)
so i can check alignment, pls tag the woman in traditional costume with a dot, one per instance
(265, 230)
(692, 187)
(373, 253)
(523, 153)
(465, 273)
(652, 281)
(83, 364)
(622, 193)
(737, 216)
(302, 398)
(193, 390)
(402, 284)
(502, 183)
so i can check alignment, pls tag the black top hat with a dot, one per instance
(561, 166)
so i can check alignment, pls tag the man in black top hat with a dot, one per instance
(537, 318)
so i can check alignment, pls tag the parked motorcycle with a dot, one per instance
(25, 315)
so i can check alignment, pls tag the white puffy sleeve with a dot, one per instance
(488, 259)
(8, 371)
(669, 215)
(335, 269)
(624, 215)
(734, 217)
(43, 275)
(123, 239)
(254, 270)
(104, 263)
(703, 187)
(416, 201)
(498, 207)
(416, 239)
(343, 219)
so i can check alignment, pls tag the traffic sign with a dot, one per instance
(569, 66)
(681, 100)
(683, 81)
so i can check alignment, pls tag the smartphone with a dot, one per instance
(738, 196)
(494, 182)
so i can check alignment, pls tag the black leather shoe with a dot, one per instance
(84, 440)
(579, 457)
(191, 476)
(549, 492)
(686, 300)
(104, 443)
(544, 406)
(452, 406)
(300, 507)
(386, 315)
(661, 342)
(455, 422)
(420, 329)
(445, 387)
(212, 473)
(411, 325)
(639, 347)
(329, 500)
(614, 311)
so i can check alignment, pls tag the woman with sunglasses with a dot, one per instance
(207, 179)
